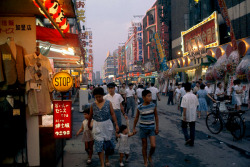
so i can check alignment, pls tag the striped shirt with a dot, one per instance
(147, 116)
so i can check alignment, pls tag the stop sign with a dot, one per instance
(62, 81)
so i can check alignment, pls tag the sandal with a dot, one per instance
(89, 161)
(107, 164)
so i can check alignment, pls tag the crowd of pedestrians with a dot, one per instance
(103, 127)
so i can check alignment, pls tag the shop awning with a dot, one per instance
(187, 68)
(54, 37)
(211, 60)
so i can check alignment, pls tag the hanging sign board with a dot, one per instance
(62, 81)
(62, 119)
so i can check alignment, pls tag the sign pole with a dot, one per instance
(62, 94)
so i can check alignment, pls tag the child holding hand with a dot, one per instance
(123, 144)
(87, 135)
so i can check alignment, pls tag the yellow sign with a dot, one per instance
(75, 73)
(62, 81)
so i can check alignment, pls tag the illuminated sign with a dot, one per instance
(162, 56)
(62, 81)
(207, 31)
(62, 119)
(75, 73)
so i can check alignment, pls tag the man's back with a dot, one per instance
(190, 102)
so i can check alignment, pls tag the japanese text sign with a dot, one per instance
(207, 30)
(62, 119)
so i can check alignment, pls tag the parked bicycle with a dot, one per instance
(232, 120)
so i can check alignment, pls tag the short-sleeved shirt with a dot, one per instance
(209, 89)
(154, 91)
(130, 92)
(115, 100)
(196, 89)
(147, 116)
(183, 92)
(219, 91)
(190, 102)
(139, 92)
(122, 91)
(105, 88)
(178, 92)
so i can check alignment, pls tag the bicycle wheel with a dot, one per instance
(214, 123)
(237, 126)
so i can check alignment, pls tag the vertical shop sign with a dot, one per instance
(139, 39)
(80, 15)
(155, 55)
(123, 56)
(160, 50)
(224, 13)
(62, 119)
(135, 44)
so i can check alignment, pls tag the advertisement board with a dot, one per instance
(62, 123)
(207, 31)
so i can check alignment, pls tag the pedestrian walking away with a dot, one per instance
(139, 93)
(123, 143)
(130, 99)
(148, 124)
(116, 100)
(101, 111)
(171, 94)
(155, 93)
(189, 104)
(87, 135)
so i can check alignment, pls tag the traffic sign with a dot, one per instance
(62, 81)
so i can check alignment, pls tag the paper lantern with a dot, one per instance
(54, 9)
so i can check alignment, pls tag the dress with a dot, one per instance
(233, 96)
(103, 130)
(202, 94)
(87, 134)
(123, 145)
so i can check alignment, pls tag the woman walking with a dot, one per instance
(101, 111)
(202, 95)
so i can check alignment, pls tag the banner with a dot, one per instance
(224, 13)
(62, 119)
(160, 50)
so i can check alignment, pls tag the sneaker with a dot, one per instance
(121, 164)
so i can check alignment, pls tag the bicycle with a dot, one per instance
(232, 120)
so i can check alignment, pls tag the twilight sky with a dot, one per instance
(109, 20)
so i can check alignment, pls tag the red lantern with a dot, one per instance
(132, 74)
(138, 74)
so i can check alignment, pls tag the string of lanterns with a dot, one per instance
(56, 11)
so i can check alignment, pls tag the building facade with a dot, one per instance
(97, 77)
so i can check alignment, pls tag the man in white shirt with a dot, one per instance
(219, 92)
(105, 88)
(210, 91)
(183, 92)
(130, 99)
(139, 93)
(116, 100)
(189, 104)
(155, 93)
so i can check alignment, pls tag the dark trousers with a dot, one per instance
(185, 131)
(171, 97)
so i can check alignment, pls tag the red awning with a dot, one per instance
(54, 37)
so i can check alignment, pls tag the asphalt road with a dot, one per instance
(209, 150)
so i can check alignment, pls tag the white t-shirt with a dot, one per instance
(130, 92)
(238, 96)
(209, 89)
(219, 91)
(190, 102)
(115, 100)
(139, 92)
(154, 91)
(183, 92)
(105, 89)
(177, 92)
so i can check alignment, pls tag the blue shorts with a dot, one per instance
(145, 132)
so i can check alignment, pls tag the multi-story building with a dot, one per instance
(98, 77)
(110, 67)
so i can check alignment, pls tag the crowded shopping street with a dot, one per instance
(128, 83)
